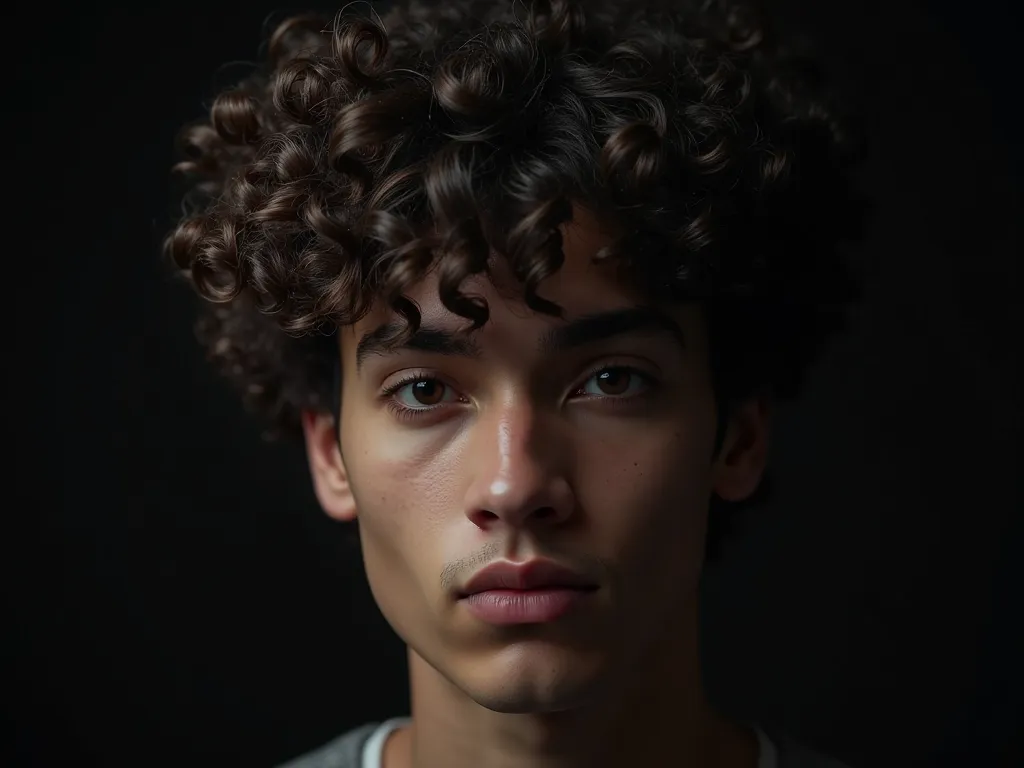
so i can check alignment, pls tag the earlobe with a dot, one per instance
(330, 478)
(741, 462)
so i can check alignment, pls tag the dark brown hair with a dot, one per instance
(367, 150)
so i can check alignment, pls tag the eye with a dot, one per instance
(423, 393)
(617, 381)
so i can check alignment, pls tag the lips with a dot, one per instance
(531, 575)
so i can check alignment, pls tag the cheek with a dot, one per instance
(646, 497)
(401, 502)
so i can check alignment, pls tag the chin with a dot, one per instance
(532, 680)
(529, 702)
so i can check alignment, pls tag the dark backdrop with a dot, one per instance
(177, 598)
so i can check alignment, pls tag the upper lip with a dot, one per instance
(533, 574)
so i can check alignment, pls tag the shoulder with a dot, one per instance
(343, 752)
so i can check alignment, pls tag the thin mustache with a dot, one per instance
(452, 575)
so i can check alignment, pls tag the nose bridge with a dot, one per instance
(518, 454)
(517, 470)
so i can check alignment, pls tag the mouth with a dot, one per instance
(535, 592)
(525, 606)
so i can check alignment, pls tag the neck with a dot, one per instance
(657, 714)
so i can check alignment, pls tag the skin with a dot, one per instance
(528, 452)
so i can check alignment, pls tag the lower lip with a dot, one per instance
(523, 606)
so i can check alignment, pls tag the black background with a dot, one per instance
(178, 599)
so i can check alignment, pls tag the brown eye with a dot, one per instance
(620, 382)
(614, 381)
(427, 392)
(419, 396)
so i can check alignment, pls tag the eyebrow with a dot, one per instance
(579, 332)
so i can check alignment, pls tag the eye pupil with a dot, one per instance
(428, 391)
(613, 381)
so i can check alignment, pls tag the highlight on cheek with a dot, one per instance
(420, 394)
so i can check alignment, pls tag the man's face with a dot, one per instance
(532, 438)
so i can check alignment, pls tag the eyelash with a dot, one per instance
(410, 414)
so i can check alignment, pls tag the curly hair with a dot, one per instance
(367, 151)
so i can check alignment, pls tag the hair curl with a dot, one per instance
(366, 151)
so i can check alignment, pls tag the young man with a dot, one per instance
(528, 277)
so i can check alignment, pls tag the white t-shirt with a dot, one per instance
(373, 750)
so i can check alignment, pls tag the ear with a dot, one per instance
(740, 464)
(330, 480)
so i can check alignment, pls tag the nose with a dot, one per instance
(519, 477)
